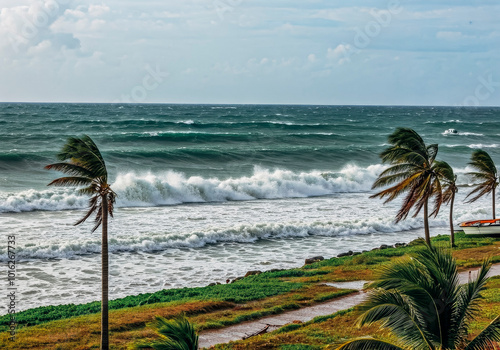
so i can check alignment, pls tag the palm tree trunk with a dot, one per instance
(452, 232)
(104, 277)
(426, 223)
(493, 199)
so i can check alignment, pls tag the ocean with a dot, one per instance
(208, 192)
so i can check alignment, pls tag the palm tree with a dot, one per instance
(412, 171)
(450, 188)
(486, 172)
(422, 302)
(81, 160)
(177, 334)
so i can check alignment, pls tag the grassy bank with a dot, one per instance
(78, 326)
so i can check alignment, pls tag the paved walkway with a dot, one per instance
(239, 331)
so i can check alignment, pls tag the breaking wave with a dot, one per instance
(170, 188)
(146, 242)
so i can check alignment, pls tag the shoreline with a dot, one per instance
(308, 262)
(179, 268)
(218, 306)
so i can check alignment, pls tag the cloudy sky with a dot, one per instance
(396, 52)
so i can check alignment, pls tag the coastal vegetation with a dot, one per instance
(412, 171)
(421, 300)
(250, 298)
(486, 173)
(175, 334)
(82, 161)
(416, 173)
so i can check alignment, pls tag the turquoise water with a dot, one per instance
(228, 141)
(208, 192)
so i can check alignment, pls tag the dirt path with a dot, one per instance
(242, 330)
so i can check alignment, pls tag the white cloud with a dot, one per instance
(29, 31)
(98, 10)
(340, 54)
(97, 48)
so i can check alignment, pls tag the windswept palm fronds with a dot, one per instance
(486, 173)
(412, 173)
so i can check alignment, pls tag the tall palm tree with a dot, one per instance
(486, 172)
(176, 334)
(81, 160)
(449, 185)
(412, 171)
(422, 302)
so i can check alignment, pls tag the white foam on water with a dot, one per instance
(243, 233)
(171, 188)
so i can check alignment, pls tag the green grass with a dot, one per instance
(299, 347)
(248, 289)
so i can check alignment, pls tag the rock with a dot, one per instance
(356, 253)
(276, 270)
(212, 284)
(349, 253)
(400, 245)
(385, 246)
(365, 251)
(313, 260)
(375, 249)
(236, 279)
(251, 273)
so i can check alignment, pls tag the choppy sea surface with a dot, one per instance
(206, 192)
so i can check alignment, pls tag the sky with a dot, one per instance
(345, 52)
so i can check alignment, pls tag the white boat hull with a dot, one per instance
(482, 230)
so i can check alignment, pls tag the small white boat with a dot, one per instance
(451, 132)
(481, 227)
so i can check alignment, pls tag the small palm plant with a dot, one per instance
(486, 172)
(449, 186)
(421, 301)
(176, 334)
(413, 173)
(81, 160)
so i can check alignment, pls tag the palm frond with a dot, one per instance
(70, 169)
(481, 161)
(368, 344)
(420, 299)
(84, 152)
(94, 207)
(175, 334)
(71, 181)
(467, 304)
(479, 191)
(81, 157)
(412, 173)
(398, 313)
(486, 172)
(487, 338)
(392, 192)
